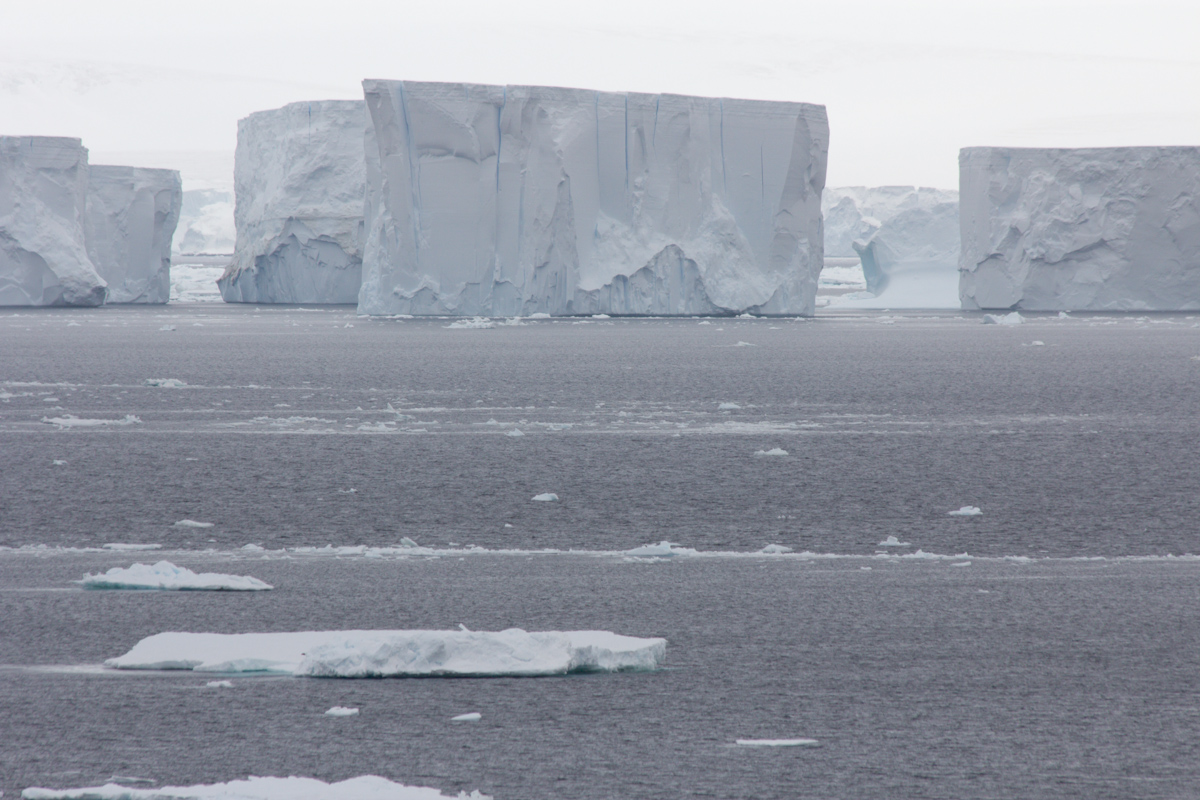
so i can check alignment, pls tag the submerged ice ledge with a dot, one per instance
(384, 654)
(365, 787)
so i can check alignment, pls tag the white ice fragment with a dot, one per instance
(407, 542)
(341, 711)
(601, 316)
(362, 654)
(475, 323)
(663, 549)
(59, 462)
(704, 322)
(366, 787)
(1012, 318)
(219, 684)
(515, 432)
(166, 576)
(539, 315)
(1037, 343)
(473, 716)
(1063, 315)
(253, 548)
(167, 328)
(191, 523)
(776, 742)
(728, 407)
(71, 421)
(966, 511)
(892, 541)
(775, 549)
(545, 497)
(166, 383)
(121, 547)
(774, 451)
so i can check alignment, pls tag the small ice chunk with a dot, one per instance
(892, 541)
(1063, 315)
(663, 549)
(704, 322)
(172, 327)
(475, 323)
(71, 421)
(166, 576)
(545, 497)
(776, 742)
(539, 315)
(348, 491)
(119, 546)
(474, 716)
(1012, 318)
(58, 462)
(166, 383)
(966, 511)
(219, 684)
(774, 451)
(191, 523)
(745, 344)
(1037, 343)
(515, 432)
(253, 548)
(341, 711)
(728, 407)
(775, 549)
(601, 316)
(407, 542)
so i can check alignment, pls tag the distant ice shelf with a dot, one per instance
(366, 787)
(378, 654)
(165, 575)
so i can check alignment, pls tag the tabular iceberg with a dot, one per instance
(514, 200)
(166, 576)
(364, 787)
(381, 654)
(131, 217)
(899, 233)
(206, 225)
(43, 253)
(298, 182)
(1113, 228)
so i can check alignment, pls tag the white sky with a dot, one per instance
(906, 83)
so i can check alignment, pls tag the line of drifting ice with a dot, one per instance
(364, 787)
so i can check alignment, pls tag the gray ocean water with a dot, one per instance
(1072, 670)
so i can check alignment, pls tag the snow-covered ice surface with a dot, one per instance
(43, 199)
(366, 787)
(1097, 229)
(131, 217)
(165, 575)
(381, 654)
(514, 200)
(299, 184)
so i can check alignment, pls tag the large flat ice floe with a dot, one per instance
(298, 180)
(167, 576)
(366, 787)
(383, 654)
(43, 196)
(1099, 229)
(131, 217)
(514, 200)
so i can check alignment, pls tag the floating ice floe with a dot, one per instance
(166, 576)
(365, 787)
(663, 549)
(475, 323)
(774, 451)
(72, 421)
(166, 383)
(728, 407)
(58, 462)
(545, 497)
(892, 541)
(341, 711)
(1012, 318)
(381, 654)
(123, 546)
(775, 549)
(474, 716)
(966, 511)
(515, 432)
(776, 742)
(191, 523)
(219, 684)
(167, 328)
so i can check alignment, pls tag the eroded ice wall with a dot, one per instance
(130, 221)
(43, 192)
(520, 199)
(1080, 229)
(298, 182)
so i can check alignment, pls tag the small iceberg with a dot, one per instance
(474, 716)
(892, 541)
(475, 323)
(776, 742)
(1003, 319)
(545, 497)
(774, 451)
(191, 523)
(728, 407)
(122, 546)
(966, 511)
(166, 576)
(775, 550)
(341, 711)
(219, 684)
(394, 654)
(663, 549)
(72, 421)
(165, 383)
(515, 432)
(365, 787)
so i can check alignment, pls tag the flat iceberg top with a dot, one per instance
(165, 575)
(365, 787)
(381, 654)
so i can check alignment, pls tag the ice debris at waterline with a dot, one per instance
(72, 421)
(515, 200)
(166, 576)
(774, 451)
(1011, 318)
(776, 742)
(382, 654)
(43, 200)
(365, 787)
(1112, 228)
(342, 711)
(473, 716)
(298, 180)
(663, 549)
(892, 541)
(966, 511)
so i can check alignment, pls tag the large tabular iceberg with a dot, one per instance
(365, 787)
(507, 200)
(1080, 229)
(298, 181)
(131, 217)
(166, 576)
(381, 654)
(43, 253)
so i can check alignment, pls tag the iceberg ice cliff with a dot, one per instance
(1080, 229)
(43, 195)
(380, 654)
(298, 182)
(130, 221)
(514, 200)
(364, 787)
(206, 225)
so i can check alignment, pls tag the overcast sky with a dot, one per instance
(906, 84)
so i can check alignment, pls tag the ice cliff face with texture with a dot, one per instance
(298, 181)
(43, 194)
(206, 225)
(1080, 229)
(131, 217)
(498, 200)
(898, 232)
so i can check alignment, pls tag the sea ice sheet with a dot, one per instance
(43, 197)
(515, 200)
(299, 183)
(131, 217)
(365, 787)
(165, 575)
(378, 654)
(1115, 228)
